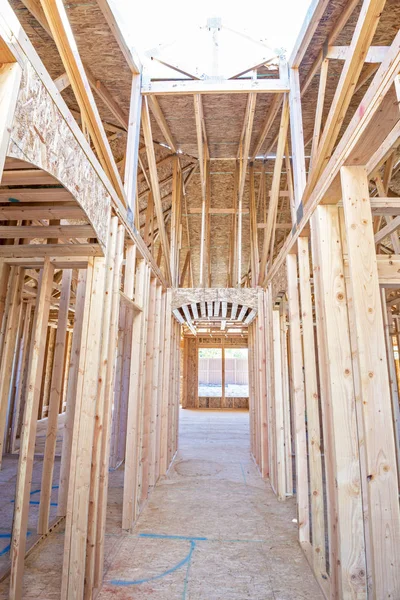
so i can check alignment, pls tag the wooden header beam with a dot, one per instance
(229, 86)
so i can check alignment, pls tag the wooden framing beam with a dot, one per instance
(298, 402)
(155, 185)
(273, 203)
(76, 528)
(375, 54)
(269, 120)
(336, 348)
(362, 38)
(310, 24)
(362, 118)
(230, 86)
(71, 394)
(162, 123)
(297, 138)
(243, 157)
(382, 482)
(203, 153)
(61, 32)
(30, 232)
(254, 257)
(27, 447)
(54, 404)
(313, 409)
(41, 250)
(132, 146)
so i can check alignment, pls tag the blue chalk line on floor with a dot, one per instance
(185, 561)
(7, 536)
(36, 502)
(179, 565)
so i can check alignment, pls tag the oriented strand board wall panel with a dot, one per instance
(41, 136)
(190, 374)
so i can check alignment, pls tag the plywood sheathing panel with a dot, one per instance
(42, 137)
(279, 284)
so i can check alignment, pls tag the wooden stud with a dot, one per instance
(341, 393)
(76, 528)
(54, 403)
(107, 354)
(382, 484)
(312, 405)
(298, 402)
(71, 393)
(278, 405)
(27, 447)
(7, 358)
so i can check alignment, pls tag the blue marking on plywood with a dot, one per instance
(36, 502)
(179, 565)
(162, 536)
(7, 536)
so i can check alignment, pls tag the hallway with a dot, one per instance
(213, 528)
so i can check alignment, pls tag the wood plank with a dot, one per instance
(109, 386)
(107, 354)
(7, 357)
(262, 383)
(347, 145)
(73, 372)
(31, 232)
(313, 408)
(297, 137)
(166, 384)
(154, 414)
(162, 123)
(27, 177)
(278, 406)
(253, 231)
(132, 145)
(133, 428)
(146, 125)
(269, 120)
(61, 31)
(229, 86)
(54, 404)
(64, 262)
(243, 156)
(27, 446)
(33, 212)
(53, 250)
(388, 322)
(331, 288)
(382, 484)
(273, 203)
(375, 54)
(361, 40)
(298, 401)
(76, 526)
(323, 77)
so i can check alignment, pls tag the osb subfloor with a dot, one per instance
(212, 529)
